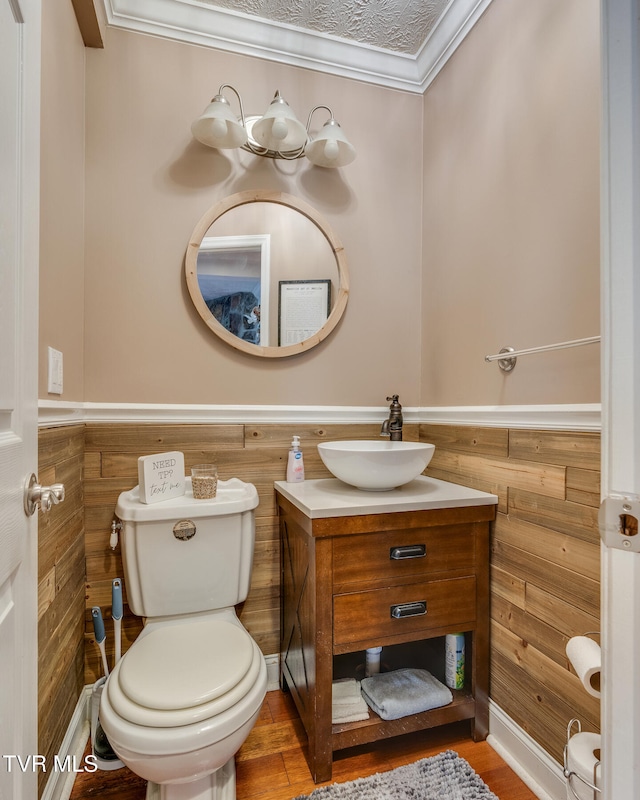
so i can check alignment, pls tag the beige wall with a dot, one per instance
(511, 208)
(498, 229)
(62, 198)
(148, 184)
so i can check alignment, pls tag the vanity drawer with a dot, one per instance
(398, 553)
(398, 610)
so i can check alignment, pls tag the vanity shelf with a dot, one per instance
(350, 734)
(347, 558)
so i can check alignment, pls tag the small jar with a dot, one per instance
(204, 481)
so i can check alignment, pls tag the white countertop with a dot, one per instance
(329, 497)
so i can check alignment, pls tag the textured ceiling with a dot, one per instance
(401, 26)
(401, 44)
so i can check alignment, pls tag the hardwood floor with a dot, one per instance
(271, 765)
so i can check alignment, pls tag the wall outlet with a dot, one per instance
(55, 372)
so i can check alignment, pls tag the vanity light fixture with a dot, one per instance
(277, 134)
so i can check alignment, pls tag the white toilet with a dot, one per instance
(184, 697)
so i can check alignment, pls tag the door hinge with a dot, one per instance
(618, 523)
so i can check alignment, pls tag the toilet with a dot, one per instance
(181, 701)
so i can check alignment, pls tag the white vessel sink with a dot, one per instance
(376, 466)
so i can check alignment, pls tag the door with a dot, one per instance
(19, 215)
(621, 399)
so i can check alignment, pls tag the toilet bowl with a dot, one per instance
(182, 700)
(185, 696)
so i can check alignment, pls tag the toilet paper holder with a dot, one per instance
(572, 776)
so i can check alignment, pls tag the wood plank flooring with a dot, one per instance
(271, 765)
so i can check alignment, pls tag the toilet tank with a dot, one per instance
(185, 555)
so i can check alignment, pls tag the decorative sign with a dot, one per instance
(161, 477)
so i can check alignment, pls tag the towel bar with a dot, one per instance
(507, 357)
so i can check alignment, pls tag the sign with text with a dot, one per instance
(161, 477)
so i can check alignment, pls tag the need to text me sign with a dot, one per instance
(161, 476)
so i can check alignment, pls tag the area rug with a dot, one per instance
(442, 777)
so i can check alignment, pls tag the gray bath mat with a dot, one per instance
(442, 777)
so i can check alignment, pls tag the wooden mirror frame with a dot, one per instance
(191, 272)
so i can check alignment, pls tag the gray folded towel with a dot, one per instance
(404, 691)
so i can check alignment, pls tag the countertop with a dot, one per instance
(330, 497)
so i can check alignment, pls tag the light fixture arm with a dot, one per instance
(223, 99)
(250, 146)
(313, 110)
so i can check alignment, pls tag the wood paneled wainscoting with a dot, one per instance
(545, 573)
(545, 548)
(61, 588)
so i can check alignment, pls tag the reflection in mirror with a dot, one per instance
(266, 274)
(233, 278)
(303, 308)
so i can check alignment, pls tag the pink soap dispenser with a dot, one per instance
(295, 464)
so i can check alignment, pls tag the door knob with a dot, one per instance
(43, 496)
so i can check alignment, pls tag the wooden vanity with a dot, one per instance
(399, 569)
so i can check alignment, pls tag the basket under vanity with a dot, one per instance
(397, 569)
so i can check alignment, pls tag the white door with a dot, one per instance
(19, 215)
(621, 398)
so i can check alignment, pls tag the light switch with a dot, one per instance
(55, 371)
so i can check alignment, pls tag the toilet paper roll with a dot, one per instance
(582, 756)
(585, 657)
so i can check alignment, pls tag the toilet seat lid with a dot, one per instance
(185, 665)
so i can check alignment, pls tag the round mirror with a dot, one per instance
(266, 273)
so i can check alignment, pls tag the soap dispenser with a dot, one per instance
(295, 463)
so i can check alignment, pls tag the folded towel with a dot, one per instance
(404, 691)
(345, 690)
(347, 703)
(355, 712)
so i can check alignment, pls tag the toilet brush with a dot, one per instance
(105, 757)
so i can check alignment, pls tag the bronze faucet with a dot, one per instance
(392, 427)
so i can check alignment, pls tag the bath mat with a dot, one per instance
(442, 777)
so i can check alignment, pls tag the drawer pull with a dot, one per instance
(409, 609)
(408, 551)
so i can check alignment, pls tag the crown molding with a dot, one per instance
(579, 417)
(205, 25)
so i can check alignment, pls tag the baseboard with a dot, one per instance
(273, 672)
(60, 783)
(533, 765)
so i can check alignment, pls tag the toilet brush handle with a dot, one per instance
(98, 629)
(116, 615)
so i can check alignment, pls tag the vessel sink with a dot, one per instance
(375, 466)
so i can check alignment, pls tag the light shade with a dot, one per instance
(279, 130)
(330, 148)
(218, 126)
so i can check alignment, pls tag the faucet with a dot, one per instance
(392, 427)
